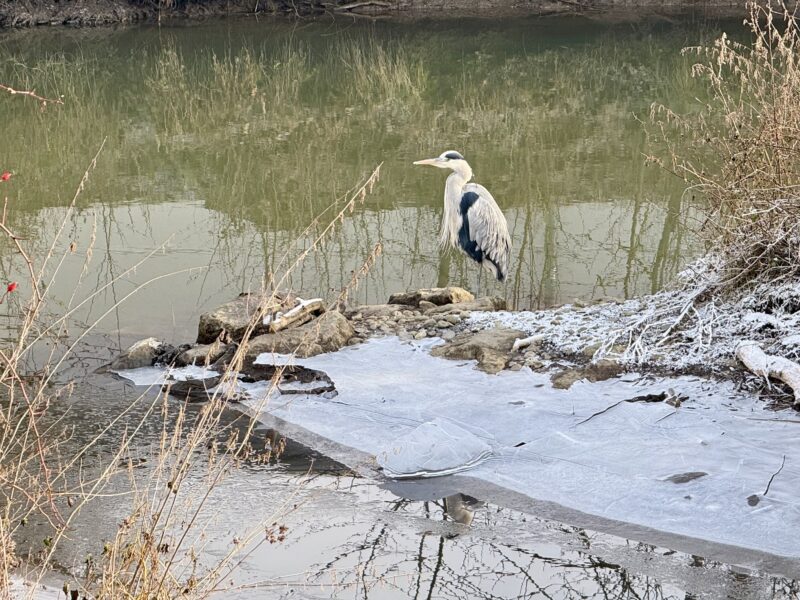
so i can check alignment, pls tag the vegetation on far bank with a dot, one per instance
(746, 167)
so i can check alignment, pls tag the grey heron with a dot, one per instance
(472, 221)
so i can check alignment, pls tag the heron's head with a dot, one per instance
(449, 160)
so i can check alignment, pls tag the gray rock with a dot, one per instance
(600, 371)
(487, 303)
(448, 335)
(374, 311)
(534, 363)
(490, 347)
(438, 296)
(453, 319)
(143, 353)
(201, 354)
(420, 334)
(425, 305)
(443, 324)
(235, 316)
(326, 333)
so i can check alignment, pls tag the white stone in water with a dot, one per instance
(420, 334)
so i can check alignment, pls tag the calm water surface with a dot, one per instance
(224, 141)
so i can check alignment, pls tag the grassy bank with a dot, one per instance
(105, 12)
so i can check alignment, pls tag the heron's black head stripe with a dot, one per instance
(454, 156)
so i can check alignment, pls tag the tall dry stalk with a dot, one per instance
(744, 156)
(151, 554)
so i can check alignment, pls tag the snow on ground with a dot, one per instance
(680, 329)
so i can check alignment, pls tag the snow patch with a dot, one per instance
(159, 375)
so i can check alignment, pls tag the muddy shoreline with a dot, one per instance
(83, 13)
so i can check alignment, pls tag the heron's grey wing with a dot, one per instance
(488, 227)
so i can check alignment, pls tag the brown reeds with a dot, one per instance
(154, 551)
(744, 155)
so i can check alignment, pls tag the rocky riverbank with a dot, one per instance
(569, 343)
(105, 12)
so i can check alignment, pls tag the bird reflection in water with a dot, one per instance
(461, 508)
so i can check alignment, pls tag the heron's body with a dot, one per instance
(472, 220)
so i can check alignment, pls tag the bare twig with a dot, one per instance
(31, 94)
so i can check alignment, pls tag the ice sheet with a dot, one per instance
(435, 448)
(636, 462)
(276, 358)
(159, 375)
(700, 470)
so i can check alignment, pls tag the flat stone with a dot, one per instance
(425, 305)
(443, 324)
(374, 311)
(438, 296)
(235, 316)
(600, 371)
(534, 363)
(490, 347)
(326, 333)
(143, 353)
(486, 303)
(202, 354)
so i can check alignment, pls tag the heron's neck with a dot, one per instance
(453, 190)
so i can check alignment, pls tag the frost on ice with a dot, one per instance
(705, 469)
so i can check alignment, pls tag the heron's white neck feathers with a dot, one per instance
(453, 190)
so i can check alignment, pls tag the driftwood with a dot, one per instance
(766, 366)
(525, 342)
(298, 315)
(354, 5)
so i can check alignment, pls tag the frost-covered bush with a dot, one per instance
(744, 155)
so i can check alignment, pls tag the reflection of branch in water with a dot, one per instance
(439, 560)
(475, 565)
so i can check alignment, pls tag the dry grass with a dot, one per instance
(744, 156)
(154, 554)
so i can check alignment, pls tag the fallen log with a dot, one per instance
(766, 365)
(354, 5)
(302, 313)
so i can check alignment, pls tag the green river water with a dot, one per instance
(223, 141)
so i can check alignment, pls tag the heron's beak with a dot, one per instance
(426, 161)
